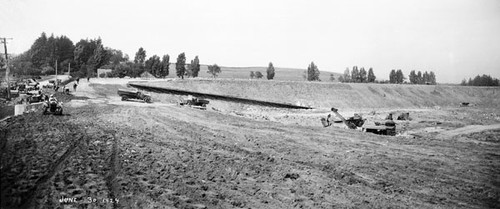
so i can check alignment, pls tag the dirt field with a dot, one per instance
(106, 153)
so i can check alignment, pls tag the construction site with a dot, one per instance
(239, 143)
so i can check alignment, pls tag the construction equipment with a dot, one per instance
(128, 94)
(404, 116)
(352, 122)
(388, 128)
(52, 106)
(36, 98)
(194, 102)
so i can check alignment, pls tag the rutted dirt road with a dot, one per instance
(107, 154)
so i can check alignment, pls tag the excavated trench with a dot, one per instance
(216, 96)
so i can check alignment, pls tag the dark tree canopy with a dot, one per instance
(153, 66)
(258, 75)
(371, 76)
(180, 65)
(484, 80)
(392, 76)
(270, 71)
(419, 78)
(195, 65)
(214, 70)
(362, 75)
(355, 74)
(165, 65)
(312, 72)
(140, 56)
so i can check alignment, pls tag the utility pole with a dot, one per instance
(69, 68)
(56, 74)
(7, 71)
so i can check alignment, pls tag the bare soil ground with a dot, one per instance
(105, 153)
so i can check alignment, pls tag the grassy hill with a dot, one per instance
(340, 95)
(281, 74)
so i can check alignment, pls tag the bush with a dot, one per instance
(102, 75)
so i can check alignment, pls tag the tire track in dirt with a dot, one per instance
(41, 183)
(467, 130)
(115, 167)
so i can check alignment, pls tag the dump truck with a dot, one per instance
(128, 94)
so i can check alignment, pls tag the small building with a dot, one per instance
(105, 71)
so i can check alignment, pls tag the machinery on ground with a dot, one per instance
(128, 94)
(36, 98)
(352, 122)
(355, 122)
(194, 102)
(52, 106)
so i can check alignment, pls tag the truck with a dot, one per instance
(127, 94)
(194, 102)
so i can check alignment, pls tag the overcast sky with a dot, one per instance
(454, 38)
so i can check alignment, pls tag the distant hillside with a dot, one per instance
(281, 74)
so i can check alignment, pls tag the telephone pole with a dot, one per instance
(7, 71)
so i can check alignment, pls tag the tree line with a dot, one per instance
(49, 53)
(88, 55)
(358, 75)
(484, 80)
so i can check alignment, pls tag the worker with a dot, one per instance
(74, 86)
(52, 99)
(326, 122)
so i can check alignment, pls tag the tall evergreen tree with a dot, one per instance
(426, 78)
(312, 72)
(355, 74)
(165, 65)
(195, 67)
(399, 76)
(420, 79)
(432, 78)
(153, 65)
(371, 76)
(392, 76)
(270, 71)
(413, 77)
(362, 75)
(180, 66)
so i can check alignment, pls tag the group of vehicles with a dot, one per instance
(30, 91)
(190, 101)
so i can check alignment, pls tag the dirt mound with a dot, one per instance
(325, 95)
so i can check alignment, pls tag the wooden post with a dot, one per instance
(7, 71)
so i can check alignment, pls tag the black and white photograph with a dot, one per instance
(249, 104)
